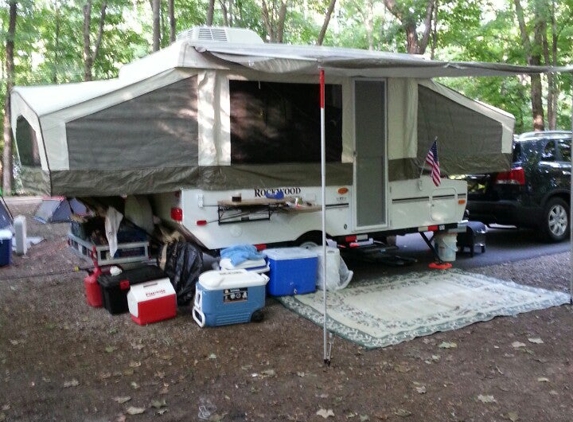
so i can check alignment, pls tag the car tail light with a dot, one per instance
(177, 214)
(514, 177)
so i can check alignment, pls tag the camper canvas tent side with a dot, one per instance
(216, 118)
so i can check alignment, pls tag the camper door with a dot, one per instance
(370, 164)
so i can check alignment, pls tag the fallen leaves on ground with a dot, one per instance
(135, 410)
(447, 345)
(158, 404)
(403, 413)
(325, 413)
(486, 398)
(72, 383)
(512, 416)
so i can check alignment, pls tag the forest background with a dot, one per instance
(63, 41)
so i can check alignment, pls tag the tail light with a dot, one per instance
(515, 176)
(177, 214)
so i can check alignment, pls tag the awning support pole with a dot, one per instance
(327, 350)
(571, 217)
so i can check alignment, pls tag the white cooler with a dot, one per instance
(152, 301)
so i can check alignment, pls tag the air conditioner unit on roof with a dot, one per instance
(221, 34)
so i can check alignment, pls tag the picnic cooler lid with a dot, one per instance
(231, 279)
(281, 254)
(151, 290)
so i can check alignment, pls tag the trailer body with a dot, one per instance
(219, 115)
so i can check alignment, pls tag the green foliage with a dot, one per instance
(49, 44)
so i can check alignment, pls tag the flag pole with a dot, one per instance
(424, 162)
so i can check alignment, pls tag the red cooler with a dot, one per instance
(152, 301)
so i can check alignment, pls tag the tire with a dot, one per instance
(257, 316)
(309, 240)
(556, 221)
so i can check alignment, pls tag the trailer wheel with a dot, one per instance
(556, 224)
(309, 240)
(257, 316)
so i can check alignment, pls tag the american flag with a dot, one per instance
(434, 163)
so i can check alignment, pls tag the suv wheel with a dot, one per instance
(556, 220)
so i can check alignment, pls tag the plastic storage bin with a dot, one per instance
(5, 247)
(116, 287)
(293, 271)
(229, 297)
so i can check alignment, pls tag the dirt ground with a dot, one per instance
(62, 360)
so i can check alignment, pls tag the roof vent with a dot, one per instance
(220, 34)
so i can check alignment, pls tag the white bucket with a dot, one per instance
(446, 246)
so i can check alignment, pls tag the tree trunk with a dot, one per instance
(7, 161)
(326, 22)
(156, 24)
(414, 45)
(57, 17)
(89, 55)
(430, 7)
(172, 22)
(274, 25)
(532, 59)
(281, 22)
(267, 20)
(88, 59)
(210, 12)
(550, 57)
(370, 24)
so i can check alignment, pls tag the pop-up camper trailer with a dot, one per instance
(220, 115)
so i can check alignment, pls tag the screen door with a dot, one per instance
(370, 147)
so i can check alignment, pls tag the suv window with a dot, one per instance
(564, 146)
(516, 152)
(549, 151)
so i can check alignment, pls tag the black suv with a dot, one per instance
(535, 193)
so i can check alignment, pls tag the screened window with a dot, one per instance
(27, 144)
(280, 122)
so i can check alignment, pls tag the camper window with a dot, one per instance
(280, 122)
(27, 145)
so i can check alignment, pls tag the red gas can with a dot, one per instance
(93, 289)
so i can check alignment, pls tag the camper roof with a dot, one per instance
(284, 58)
(69, 135)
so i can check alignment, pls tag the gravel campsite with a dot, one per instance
(63, 360)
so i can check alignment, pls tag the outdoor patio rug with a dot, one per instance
(389, 310)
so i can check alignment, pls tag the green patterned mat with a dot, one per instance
(389, 310)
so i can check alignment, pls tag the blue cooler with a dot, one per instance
(5, 247)
(292, 271)
(229, 297)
